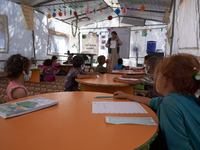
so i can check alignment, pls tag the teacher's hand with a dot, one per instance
(117, 38)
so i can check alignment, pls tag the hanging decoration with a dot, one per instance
(49, 15)
(94, 10)
(124, 10)
(65, 13)
(117, 11)
(132, 8)
(110, 17)
(84, 36)
(60, 13)
(75, 13)
(87, 10)
(100, 9)
(143, 7)
(161, 29)
(144, 32)
(74, 33)
(66, 0)
(70, 12)
(54, 14)
(132, 2)
(81, 7)
(111, 5)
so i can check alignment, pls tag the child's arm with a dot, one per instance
(122, 95)
(41, 66)
(82, 76)
(108, 66)
(132, 82)
(19, 93)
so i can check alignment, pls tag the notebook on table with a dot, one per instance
(26, 106)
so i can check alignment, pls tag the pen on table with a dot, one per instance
(103, 97)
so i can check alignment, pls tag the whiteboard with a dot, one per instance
(124, 36)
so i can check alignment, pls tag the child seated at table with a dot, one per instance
(77, 72)
(120, 65)
(48, 74)
(102, 60)
(55, 64)
(178, 79)
(148, 80)
(18, 71)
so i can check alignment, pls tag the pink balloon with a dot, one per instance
(124, 10)
(87, 11)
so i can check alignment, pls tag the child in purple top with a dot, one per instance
(77, 72)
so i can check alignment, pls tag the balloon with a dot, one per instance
(75, 14)
(132, 8)
(100, 9)
(117, 11)
(94, 10)
(143, 7)
(60, 14)
(110, 17)
(54, 14)
(49, 16)
(87, 11)
(124, 10)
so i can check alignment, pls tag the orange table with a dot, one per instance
(35, 77)
(71, 126)
(105, 84)
(65, 67)
(131, 72)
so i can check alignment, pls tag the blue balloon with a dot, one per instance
(117, 11)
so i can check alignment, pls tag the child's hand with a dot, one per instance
(93, 76)
(96, 73)
(107, 61)
(120, 95)
(116, 79)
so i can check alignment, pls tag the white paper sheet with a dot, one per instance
(117, 107)
(113, 44)
(132, 79)
(115, 71)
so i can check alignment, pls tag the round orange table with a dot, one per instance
(130, 72)
(70, 125)
(105, 84)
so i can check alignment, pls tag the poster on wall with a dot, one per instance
(28, 15)
(90, 45)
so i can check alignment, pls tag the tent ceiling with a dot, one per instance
(155, 10)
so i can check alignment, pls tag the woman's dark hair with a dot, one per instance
(78, 61)
(114, 32)
(54, 58)
(47, 62)
(15, 65)
(120, 61)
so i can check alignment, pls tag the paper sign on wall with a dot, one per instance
(28, 16)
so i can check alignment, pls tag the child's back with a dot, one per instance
(120, 65)
(48, 73)
(18, 71)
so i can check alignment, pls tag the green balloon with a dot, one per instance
(84, 36)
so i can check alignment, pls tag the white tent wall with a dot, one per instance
(186, 28)
(20, 39)
(42, 24)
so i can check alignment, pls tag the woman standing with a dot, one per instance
(113, 50)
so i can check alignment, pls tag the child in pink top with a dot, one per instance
(55, 64)
(49, 76)
(18, 71)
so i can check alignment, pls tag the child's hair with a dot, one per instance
(151, 62)
(47, 62)
(180, 70)
(78, 61)
(147, 57)
(15, 65)
(120, 61)
(54, 58)
(114, 32)
(101, 59)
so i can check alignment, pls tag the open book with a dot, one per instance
(23, 107)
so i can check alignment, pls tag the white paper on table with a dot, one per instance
(117, 107)
(115, 71)
(132, 79)
(113, 44)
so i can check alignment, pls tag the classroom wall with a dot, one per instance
(20, 39)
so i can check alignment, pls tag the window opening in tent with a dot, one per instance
(3, 34)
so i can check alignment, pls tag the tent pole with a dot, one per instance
(33, 36)
(172, 37)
